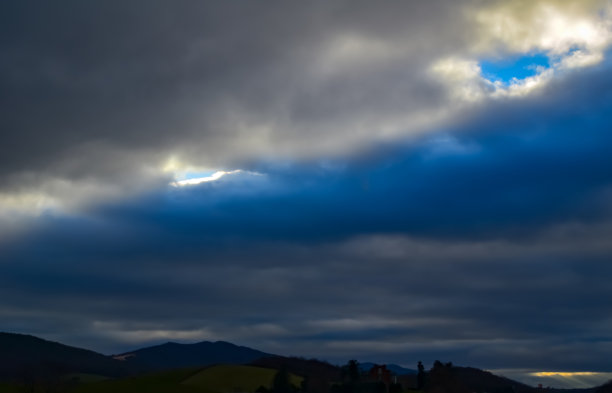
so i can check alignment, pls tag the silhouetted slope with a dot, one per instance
(175, 355)
(451, 379)
(483, 381)
(23, 355)
(605, 388)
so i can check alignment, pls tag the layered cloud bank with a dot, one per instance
(395, 182)
(90, 108)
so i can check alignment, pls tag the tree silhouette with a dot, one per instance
(420, 376)
(281, 383)
(353, 371)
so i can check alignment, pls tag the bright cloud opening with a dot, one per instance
(514, 68)
(524, 45)
(189, 175)
(191, 181)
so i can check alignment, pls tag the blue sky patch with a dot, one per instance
(519, 67)
(194, 174)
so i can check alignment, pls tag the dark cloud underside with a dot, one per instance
(352, 229)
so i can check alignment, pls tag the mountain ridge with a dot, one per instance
(22, 354)
(176, 355)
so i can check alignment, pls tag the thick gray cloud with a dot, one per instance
(223, 81)
(395, 206)
(489, 304)
(97, 97)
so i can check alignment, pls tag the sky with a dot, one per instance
(388, 181)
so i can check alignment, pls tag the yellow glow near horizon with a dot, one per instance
(562, 374)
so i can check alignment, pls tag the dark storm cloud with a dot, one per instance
(486, 304)
(485, 245)
(484, 242)
(515, 171)
(95, 89)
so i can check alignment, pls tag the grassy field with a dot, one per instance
(8, 388)
(85, 378)
(215, 379)
(234, 379)
(161, 382)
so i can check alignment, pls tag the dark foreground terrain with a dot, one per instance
(30, 364)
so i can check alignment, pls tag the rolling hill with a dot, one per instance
(175, 355)
(235, 378)
(319, 375)
(158, 382)
(214, 379)
(448, 378)
(23, 355)
(209, 367)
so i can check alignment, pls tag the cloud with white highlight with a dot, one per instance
(394, 182)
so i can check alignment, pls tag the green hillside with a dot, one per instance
(233, 378)
(22, 355)
(216, 379)
(9, 388)
(160, 382)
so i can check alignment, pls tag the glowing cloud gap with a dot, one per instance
(523, 48)
(198, 180)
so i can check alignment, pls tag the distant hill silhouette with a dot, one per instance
(443, 378)
(175, 355)
(476, 380)
(484, 381)
(605, 388)
(394, 368)
(23, 355)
